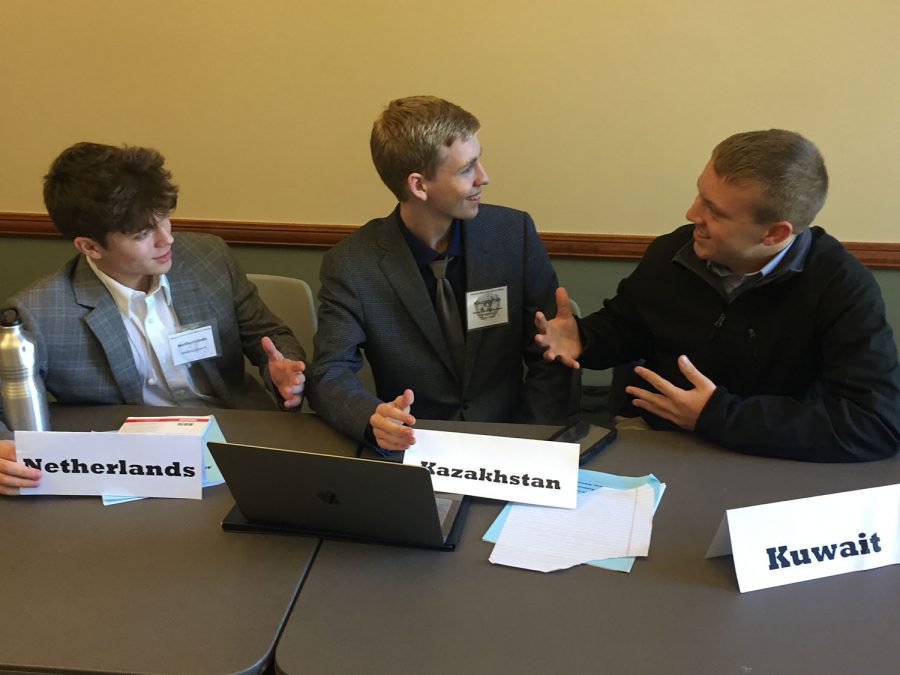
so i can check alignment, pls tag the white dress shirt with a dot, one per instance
(149, 320)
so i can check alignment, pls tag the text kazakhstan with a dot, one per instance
(495, 476)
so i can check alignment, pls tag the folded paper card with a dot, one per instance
(204, 429)
(802, 539)
(497, 467)
(85, 463)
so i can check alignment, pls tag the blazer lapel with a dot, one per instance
(478, 262)
(191, 304)
(400, 269)
(188, 299)
(105, 322)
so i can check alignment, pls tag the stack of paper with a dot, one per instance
(610, 526)
(203, 429)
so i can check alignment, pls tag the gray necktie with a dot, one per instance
(448, 314)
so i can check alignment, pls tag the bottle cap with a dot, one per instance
(9, 317)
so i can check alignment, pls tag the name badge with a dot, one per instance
(193, 344)
(486, 308)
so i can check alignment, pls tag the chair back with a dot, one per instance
(575, 392)
(576, 310)
(291, 300)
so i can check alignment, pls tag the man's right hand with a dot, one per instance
(12, 474)
(392, 423)
(559, 336)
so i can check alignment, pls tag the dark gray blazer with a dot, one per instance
(83, 353)
(373, 300)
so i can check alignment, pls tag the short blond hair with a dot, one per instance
(410, 137)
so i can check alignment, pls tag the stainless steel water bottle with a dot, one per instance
(24, 397)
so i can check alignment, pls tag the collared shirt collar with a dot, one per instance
(788, 261)
(123, 295)
(773, 263)
(423, 253)
(723, 271)
(732, 280)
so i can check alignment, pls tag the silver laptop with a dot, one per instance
(336, 497)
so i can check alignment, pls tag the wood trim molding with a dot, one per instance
(560, 244)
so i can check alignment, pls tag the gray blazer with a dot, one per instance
(373, 300)
(83, 353)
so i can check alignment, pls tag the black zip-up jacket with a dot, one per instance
(804, 362)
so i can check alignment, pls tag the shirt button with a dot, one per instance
(151, 382)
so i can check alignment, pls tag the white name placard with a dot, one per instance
(138, 465)
(511, 469)
(786, 542)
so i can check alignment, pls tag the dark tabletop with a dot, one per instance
(381, 609)
(153, 585)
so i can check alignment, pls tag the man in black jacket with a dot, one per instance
(757, 331)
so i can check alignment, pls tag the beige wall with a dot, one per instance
(598, 114)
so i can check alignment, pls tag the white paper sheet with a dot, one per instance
(588, 481)
(607, 523)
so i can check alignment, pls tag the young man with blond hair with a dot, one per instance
(438, 295)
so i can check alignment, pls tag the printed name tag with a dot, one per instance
(802, 539)
(486, 308)
(192, 345)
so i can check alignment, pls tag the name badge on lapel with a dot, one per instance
(193, 344)
(486, 308)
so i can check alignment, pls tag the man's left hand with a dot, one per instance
(287, 375)
(681, 406)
